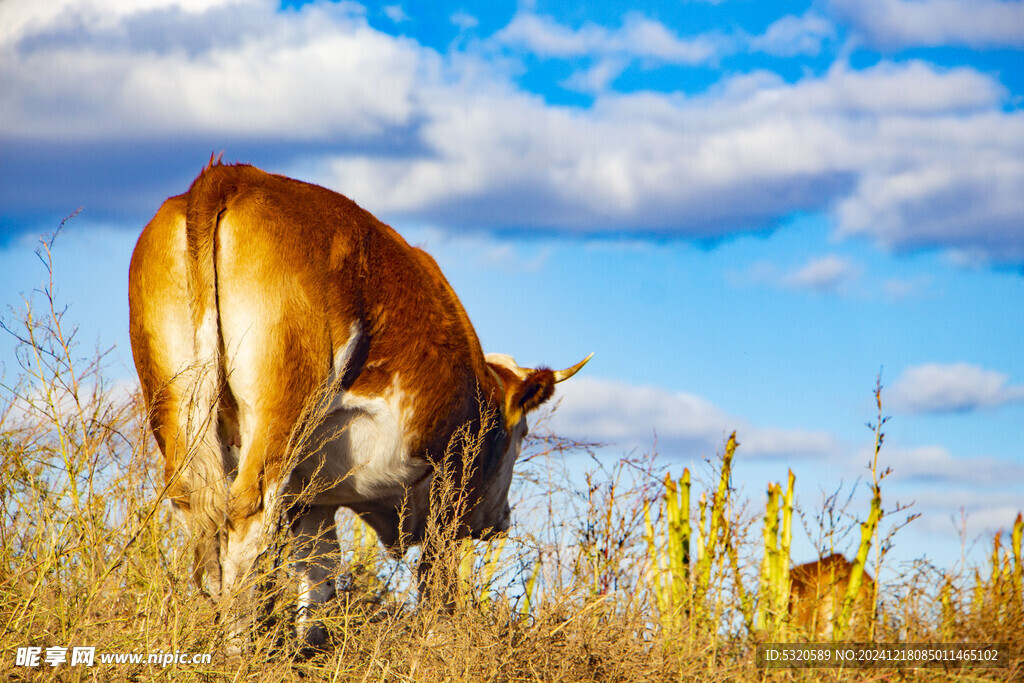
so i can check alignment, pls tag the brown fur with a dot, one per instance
(535, 390)
(816, 593)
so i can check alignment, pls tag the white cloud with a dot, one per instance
(986, 512)
(639, 37)
(485, 252)
(464, 20)
(18, 19)
(897, 94)
(940, 485)
(911, 155)
(966, 200)
(829, 274)
(959, 387)
(899, 289)
(935, 464)
(651, 39)
(237, 69)
(826, 274)
(909, 23)
(740, 157)
(597, 78)
(395, 13)
(34, 407)
(686, 425)
(792, 35)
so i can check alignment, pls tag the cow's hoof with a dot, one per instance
(314, 641)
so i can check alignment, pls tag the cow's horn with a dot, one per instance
(562, 375)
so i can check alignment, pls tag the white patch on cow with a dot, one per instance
(365, 453)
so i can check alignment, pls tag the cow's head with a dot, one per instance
(524, 390)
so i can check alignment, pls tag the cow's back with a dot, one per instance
(306, 289)
(313, 264)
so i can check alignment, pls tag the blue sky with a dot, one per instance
(746, 209)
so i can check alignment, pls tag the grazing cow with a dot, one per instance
(257, 301)
(816, 595)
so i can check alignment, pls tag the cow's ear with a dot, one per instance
(536, 388)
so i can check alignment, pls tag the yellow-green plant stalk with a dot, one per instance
(978, 599)
(867, 532)
(995, 581)
(773, 603)
(766, 583)
(1007, 610)
(656, 567)
(1017, 598)
(475, 581)
(716, 530)
(745, 597)
(702, 507)
(492, 559)
(948, 611)
(491, 562)
(365, 560)
(787, 533)
(531, 585)
(780, 568)
(467, 560)
(677, 497)
(1001, 587)
(669, 559)
(997, 545)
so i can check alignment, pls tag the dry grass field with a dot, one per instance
(613, 572)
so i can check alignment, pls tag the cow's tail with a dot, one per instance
(207, 466)
(206, 200)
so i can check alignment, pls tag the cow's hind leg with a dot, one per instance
(317, 564)
(194, 478)
(276, 389)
